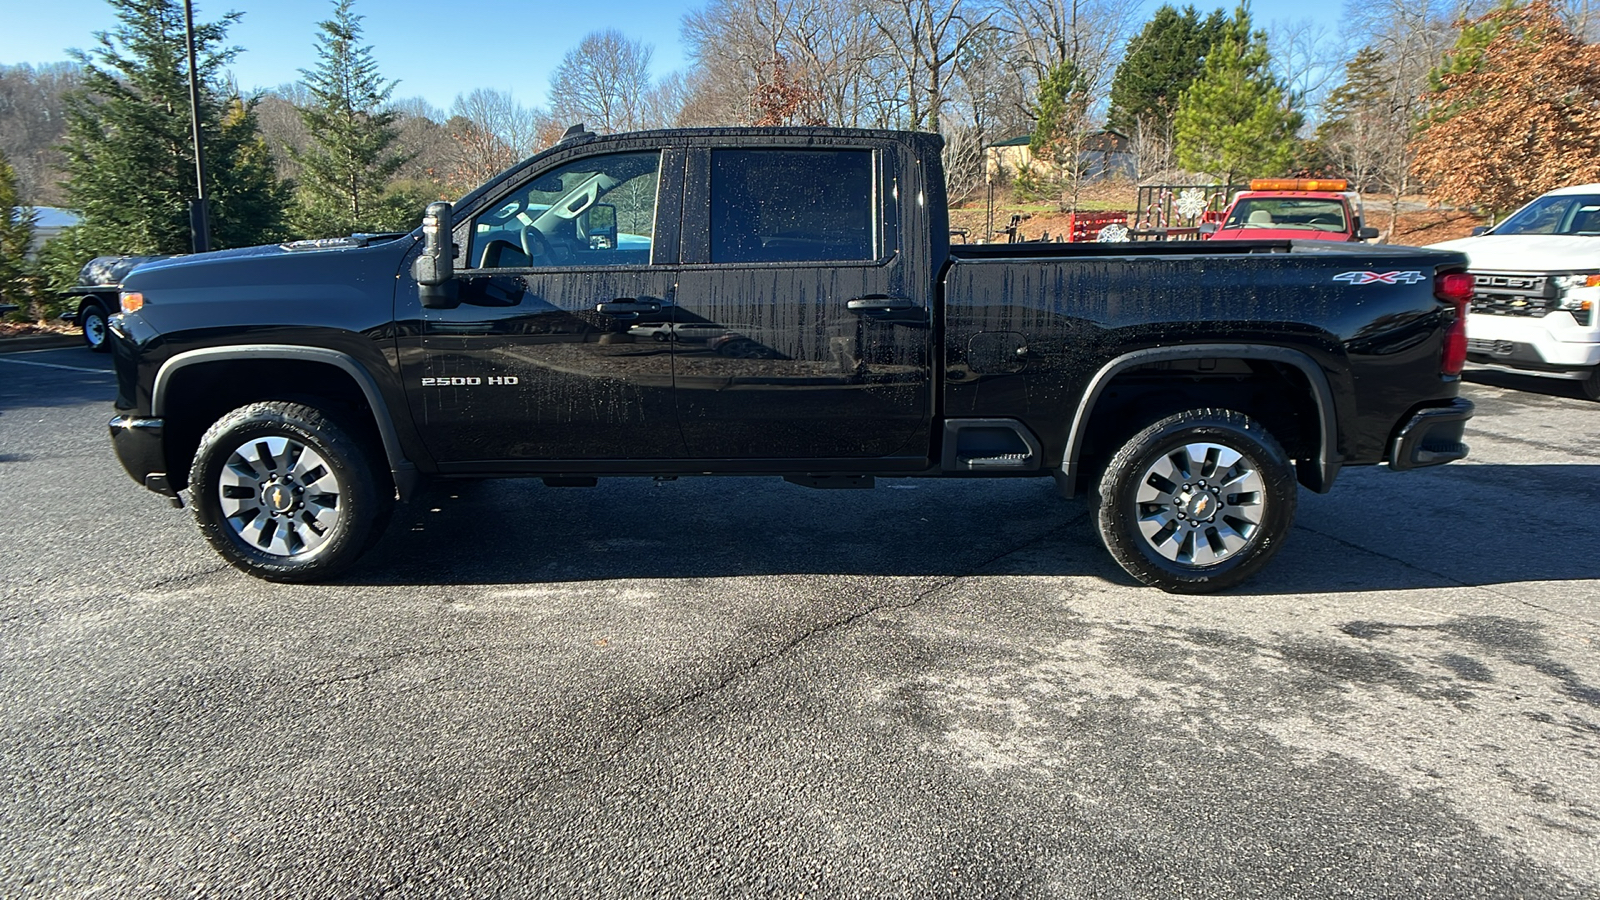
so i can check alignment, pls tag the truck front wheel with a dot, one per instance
(284, 493)
(1197, 502)
(92, 319)
(1591, 385)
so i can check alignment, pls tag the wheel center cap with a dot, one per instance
(279, 497)
(1202, 506)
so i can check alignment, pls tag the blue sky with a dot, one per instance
(436, 49)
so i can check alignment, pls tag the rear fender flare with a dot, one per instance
(1328, 458)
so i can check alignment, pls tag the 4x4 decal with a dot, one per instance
(1411, 277)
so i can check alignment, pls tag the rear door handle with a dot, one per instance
(623, 306)
(880, 303)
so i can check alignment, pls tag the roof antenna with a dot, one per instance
(575, 133)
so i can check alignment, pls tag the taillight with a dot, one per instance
(1455, 287)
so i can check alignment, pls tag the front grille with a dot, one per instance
(1484, 345)
(1512, 294)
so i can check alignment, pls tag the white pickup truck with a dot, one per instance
(1537, 280)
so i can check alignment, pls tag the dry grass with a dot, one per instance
(21, 329)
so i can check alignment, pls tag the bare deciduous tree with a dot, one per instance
(1089, 34)
(1307, 57)
(491, 131)
(603, 82)
(32, 125)
(926, 37)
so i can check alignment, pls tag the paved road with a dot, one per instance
(741, 687)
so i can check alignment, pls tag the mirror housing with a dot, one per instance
(434, 270)
(1366, 233)
(1209, 228)
(600, 222)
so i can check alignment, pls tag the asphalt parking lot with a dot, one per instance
(742, 687)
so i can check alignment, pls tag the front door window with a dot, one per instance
(598, 211)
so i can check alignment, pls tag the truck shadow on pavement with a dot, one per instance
(1460, 525)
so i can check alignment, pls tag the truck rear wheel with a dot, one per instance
(284, 493)
(1197, 502)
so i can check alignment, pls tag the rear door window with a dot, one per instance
(792, 206)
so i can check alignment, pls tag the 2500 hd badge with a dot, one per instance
(468, 381)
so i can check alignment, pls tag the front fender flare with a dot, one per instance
(402, 469)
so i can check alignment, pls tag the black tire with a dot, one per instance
(262, 503)
(1591, 385)
(96, 334)
(1168, 515)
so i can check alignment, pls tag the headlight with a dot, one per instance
(132, 301)
(1581, 280)
(1579, 294)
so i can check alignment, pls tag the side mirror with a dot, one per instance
(1208, 228)
(434, 270)
(600, 224)
(1480, 229)
(1366, 233)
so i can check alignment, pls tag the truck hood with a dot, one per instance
(321, 247)
(1528, 252)
(345, 287)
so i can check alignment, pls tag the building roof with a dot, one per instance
(1023, 140)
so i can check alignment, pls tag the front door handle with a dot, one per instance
(624, 306)
(880, 303)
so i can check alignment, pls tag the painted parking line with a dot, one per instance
(45, 365)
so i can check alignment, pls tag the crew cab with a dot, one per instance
(1537, 278)
(294, 392)
(1297, 209)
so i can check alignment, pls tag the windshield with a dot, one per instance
(1287, 212)
(1564, 214)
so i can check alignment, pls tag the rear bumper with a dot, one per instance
(137, 442)
(1432, 437)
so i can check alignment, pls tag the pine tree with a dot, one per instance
(1061, 127)
(1161, 62)
(1364, 135)
(130, 155)
(16, 233)
(1236, 120)
(346, 171)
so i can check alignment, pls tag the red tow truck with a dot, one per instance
(1301, 209)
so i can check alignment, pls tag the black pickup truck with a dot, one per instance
(777, 302)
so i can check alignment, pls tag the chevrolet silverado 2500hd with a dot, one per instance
(296, 391)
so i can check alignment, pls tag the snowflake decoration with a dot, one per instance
(1113, 234)
(1191, 202)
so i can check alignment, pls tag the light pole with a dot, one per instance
(199, 219)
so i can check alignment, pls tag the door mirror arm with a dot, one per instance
(434, 270)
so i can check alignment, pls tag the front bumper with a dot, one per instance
(1550, 344)
(137, 442)
(1432, 437)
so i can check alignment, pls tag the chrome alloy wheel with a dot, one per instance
(279, 496)
(1200, 503)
